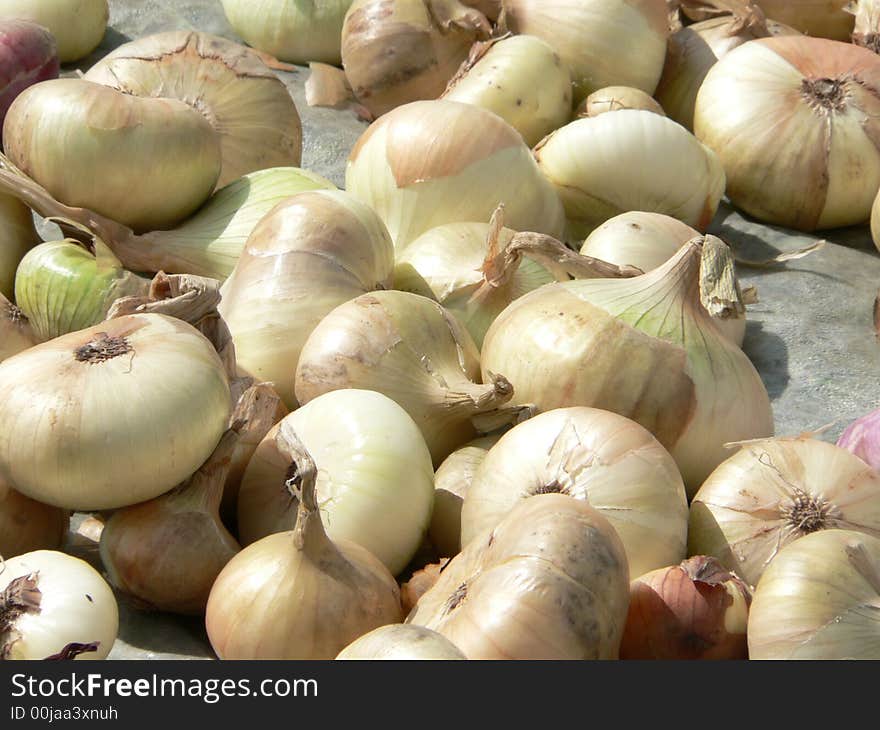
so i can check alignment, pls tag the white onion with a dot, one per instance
(398, 642)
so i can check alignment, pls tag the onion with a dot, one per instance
(794, 121)
(86, 419)
(414, 351)
(27, 525)
(28, 55)
(630, 160)
(398, 51)
(645, 348)
(70, 135)
(695, 610)
(694, 49)
(821, 18)
(604, 459)
(249, 107)
(297, 595)
(435, 162)
(310, 253)
(451, 483)
(374, 470)
(16, 333)
(289, 29)
(549, 582)
(773, 492)
(818, 600)
(521, 79)
(77, 25)
(17, 237)
(603, 42)
(62, 287)
(401, 642)
(867, 23)
(615, 99)
(860, 438)
(55, 606)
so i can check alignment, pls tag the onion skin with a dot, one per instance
(27, 525)
(819, 18)
(695, 610)
(78, 26)
(28, 55)
(861, 438)
(17, 237)
(56, 130)
(401, 642)
(419, 584)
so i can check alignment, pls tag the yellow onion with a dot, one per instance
(773, 492)
(410, 349)
(818, 600)
(646, 348)
(374, 470)
(310, 253)
(398, 51)
(86, 419)
(694, 49)
(16, 333)
(616, 98)
(290, 30)
(77, 25)
(521, 79)
(247, 104)
(17, 237)
(603, 42)
(299, 595)
(55, 606)
(820, 18)
(694, 610)
(451, 482)
(549, 582)
(434, 162)
(399, 642)
(27, 525)
(606, 460)
(72, 135)
(630, 160)
(795, 121)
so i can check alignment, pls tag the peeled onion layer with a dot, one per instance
(27, 525)
(818, 600)
(434, 162)
(78, 26)
(309, 254)
(795, 122)
(17, 237)
(28, 55)
(603, 42)
(16, 333)
(630, 160)
(521, 79)
(290, 30)
(400, 642)
(246, 103)
(774, 492)
(86, 419)
(818, 18)
(70, 135)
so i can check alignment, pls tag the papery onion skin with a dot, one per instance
(598, 165)
(818, 600)
(603, 42)
(17, 237)
(77, 25)
(861, 438)
(86, 419)
(606, 460)
(309, 254)
(28, 55)
(774, 492)
(58, 130)
(549, 582)
(521, 79)
(246, 103)
(16, 333)
(27, 525)
(66, 603)
(420, 583)
(695, 610)
(434, 162)
(290, 30)
(398, 51)
(616, 98)
(800, 150)
(819, 18)
(399, 642)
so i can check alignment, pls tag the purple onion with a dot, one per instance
(28, 54)
(862, 438)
